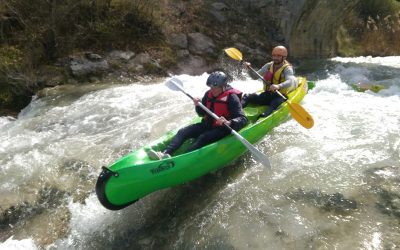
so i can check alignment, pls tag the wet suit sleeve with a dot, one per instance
(200, 112)
(238, 118)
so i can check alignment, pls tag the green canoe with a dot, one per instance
(135, 175)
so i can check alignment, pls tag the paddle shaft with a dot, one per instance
(259, 156)
(205, 108)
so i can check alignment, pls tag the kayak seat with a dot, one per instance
(253, 112)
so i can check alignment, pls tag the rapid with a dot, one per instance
(335, 186)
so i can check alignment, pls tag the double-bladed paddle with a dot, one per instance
(295, 109)
(176, 84)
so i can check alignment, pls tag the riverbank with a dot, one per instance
(146, 39)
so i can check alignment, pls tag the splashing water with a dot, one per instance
(334, 186)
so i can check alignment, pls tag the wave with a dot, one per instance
(390, 61)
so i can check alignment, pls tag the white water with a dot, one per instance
(59, 143)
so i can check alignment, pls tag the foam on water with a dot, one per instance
(11, 244)
(243, 206)
(392, 61)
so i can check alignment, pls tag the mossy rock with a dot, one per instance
(11, 58)
(10, 102)
(6, 95)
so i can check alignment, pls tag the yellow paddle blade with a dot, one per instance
(234, 53)
(301, 115)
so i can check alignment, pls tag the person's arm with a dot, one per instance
(290, 80)
(261, 71)
(238, 118)
(200, 112)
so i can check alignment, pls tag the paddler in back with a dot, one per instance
(278, 75)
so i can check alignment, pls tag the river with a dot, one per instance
(335, 186)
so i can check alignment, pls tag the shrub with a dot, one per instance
(49, 29)
(379, 7)
(376, 30)
(11, 58)
(382, 34)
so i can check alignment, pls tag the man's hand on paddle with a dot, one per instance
(221, 121)
(196, 101)
(273, 87)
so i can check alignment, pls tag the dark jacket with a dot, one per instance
(238, 118)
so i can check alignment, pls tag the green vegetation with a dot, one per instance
(34, 34)
(374, 30)
(11, 65)
(379, 7)
(6, 95)
(11, 58)
(48, 29)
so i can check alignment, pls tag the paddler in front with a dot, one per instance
(221, 99)
(278, 75)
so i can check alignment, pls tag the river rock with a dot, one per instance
(121, 55)
(13, 217)
(143, 64)
(141, 58)
(200, 44)
(218, 16)
(48, 226)
(178, 40)
(91, 64)
(217, 11)
(385, 184)
(182, 53)
(193, 65)
(328, 202)
(219, 6)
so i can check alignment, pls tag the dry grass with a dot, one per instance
(382, 34)
(50, 29)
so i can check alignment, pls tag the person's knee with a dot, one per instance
(245, 100)
(267, 112)
(183, 133)
(202, 139)
(198, 143)
(276, 103)
(180, 132)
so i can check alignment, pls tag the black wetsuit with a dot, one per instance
(204, 132)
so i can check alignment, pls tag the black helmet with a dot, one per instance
(217, 78)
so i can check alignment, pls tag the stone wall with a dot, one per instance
(315, 32)
(307, 27)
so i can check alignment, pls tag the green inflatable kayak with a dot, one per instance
(135, 175)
